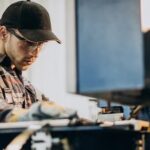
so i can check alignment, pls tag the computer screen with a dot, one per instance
(105, 54)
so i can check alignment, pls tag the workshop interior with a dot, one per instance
(101, 70)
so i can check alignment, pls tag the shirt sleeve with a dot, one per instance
(40, 96)
(37, 94)
(5, 108)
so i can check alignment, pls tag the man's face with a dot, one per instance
(21, 52)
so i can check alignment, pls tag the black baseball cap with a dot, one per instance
(31, 19)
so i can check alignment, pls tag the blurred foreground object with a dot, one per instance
(40, 111)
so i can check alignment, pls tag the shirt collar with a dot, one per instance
(6, 62)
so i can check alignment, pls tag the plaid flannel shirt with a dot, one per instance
(15, 91)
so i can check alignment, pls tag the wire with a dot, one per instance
(135, 111)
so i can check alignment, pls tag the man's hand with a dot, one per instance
(40, 111)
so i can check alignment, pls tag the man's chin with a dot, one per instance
(23, 68)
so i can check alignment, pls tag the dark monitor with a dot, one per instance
(106, 57)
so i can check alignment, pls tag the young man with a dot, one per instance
(24, 28)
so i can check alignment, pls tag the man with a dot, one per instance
(24, 28)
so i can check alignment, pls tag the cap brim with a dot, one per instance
(39, 35)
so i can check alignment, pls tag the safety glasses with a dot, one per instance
(31, 46)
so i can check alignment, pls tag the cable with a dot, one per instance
(135, 111)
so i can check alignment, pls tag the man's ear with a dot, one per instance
(3, 32)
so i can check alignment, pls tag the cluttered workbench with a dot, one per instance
(61, 135)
